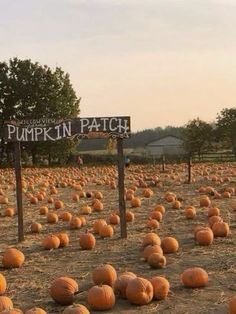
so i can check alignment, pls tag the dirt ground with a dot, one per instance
(28, 286)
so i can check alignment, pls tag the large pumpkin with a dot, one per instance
(104, 274)
(101, 298)
(161, 287)
(139, 291)
(13, 258)
(63, 289)
(195, 277)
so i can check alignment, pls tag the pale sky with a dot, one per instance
(162, 62)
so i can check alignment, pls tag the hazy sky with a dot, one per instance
(162, 62)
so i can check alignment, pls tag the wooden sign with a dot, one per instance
(52, 130)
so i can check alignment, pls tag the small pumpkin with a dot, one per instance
(52, 218)
(213, 211)
(169, 245)
(205, 236)
(51, 242)
(101, 298)
(36, 227)
(63, 289)
(161, 287)
(139, 291)
(195, 277)
(190, 212)
(156, 260)
(106, 231)
(87, 241)
(150, 249)
(64, 239)
(66, 216)
(151, 238)
(136, 202)
(114, 219)
(13, 258)
(75, 223)
(98, 224)
(214, 219)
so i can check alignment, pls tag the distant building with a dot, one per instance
(168, 145)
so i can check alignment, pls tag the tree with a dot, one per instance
(226, 127)
(197, 136)
(29, 90)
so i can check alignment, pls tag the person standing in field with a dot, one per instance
(80, 162)
(127, 161)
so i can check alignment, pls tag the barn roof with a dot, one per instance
(163, 141)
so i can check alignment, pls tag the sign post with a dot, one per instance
(44, 129)
(121, 187)
(19, 191)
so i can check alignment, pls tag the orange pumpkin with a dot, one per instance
(151, 238)
(52, 218)
(220, 229)
(161, 287)
(75, 223)
(51, 242)
(3, 284)
(205, 236)
(5, 303)
(213, 211)
(139, 291)
(76, 309)
(13, 258)
(136, 202)
(98, 224)
(63, 289)
(169, 245)
(150, 249)
(232, 305)
(156, 260)
(214, 219)
(106, 231)
(35, 310)
(87, 241)
(101, 298)
(121, 284)
(104, 274)
(36, 227)
(64, 239)
(194, 277)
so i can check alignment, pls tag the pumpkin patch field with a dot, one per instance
(179, 257)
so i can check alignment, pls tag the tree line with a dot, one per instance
(29, 90)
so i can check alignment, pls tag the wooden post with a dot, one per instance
(121, 187)
(189, 169)
(163, 163)
(19, 191)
